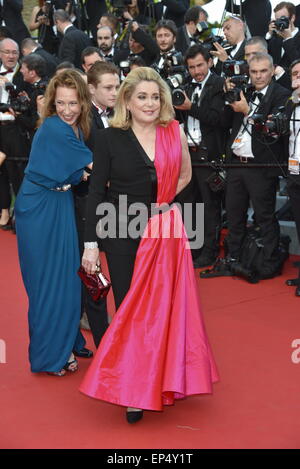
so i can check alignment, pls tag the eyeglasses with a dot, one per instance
(9, 52)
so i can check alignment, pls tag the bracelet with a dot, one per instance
(91, 245)
(88, 170)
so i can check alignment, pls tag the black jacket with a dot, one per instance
(51, 61)
(263, 152)
(72, 45)
(208, 111)
(11, 13)
(256, 13)
(291, 50)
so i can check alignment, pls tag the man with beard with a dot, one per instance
(106, 44)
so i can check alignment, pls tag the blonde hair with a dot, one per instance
(122, 118)
(69, 79)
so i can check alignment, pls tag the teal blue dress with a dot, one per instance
(48, 244)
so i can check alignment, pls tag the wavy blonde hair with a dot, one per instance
(69, 79)
(122, 119)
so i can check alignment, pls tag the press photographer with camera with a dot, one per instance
(141, 43)
(293, 152)
(42, 20)
(201, 113)
(186, 33)
(283, 37)
(234, 32)
(14, 140)
(257, 155)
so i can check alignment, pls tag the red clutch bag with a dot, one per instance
(97, 284)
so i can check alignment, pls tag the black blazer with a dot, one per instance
(175, 10)
(291, 50)
(51, 61)
(12, 15)
(208, 111)
(256, 13)
(239, 55)
(275, 97)
(182, 40)
(72, 45)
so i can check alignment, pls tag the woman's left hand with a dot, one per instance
(90, 260)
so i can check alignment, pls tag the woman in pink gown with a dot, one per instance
(155, 350)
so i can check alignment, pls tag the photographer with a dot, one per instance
(206, 138)
(165, 36)
(256, 13)
(29, 46)
(293, 151)
(283, 37)
(142, 44)
(42, 20)
(234, 32)
(14, 135)
(185, 34)
(253, 151)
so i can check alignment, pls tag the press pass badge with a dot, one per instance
(293, 166)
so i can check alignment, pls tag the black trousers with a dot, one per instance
(121, 270)
(212, 208)
(5, 197)
(15, 171)
(255, 185)
(293, 188)
(96, 311)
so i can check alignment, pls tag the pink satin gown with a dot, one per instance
(156, 349)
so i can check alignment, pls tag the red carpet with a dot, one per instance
(255, 405)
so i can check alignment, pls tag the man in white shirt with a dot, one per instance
(254, 160)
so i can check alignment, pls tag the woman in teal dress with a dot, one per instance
(46, 229)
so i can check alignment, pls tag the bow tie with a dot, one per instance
(196, 85)
(10, 70)
(258, 95)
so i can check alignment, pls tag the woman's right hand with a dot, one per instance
(90, 260)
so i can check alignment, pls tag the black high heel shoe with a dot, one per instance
(292, 282)
(134, 416)
(8, 225)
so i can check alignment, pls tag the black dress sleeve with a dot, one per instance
(98, 182)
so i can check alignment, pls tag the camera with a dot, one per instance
(40, 88)
(282, 23)
(15, 102)
(274, 126)
(171, 68)
(237, 71)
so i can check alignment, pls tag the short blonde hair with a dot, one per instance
(69, 78)
(122, 119)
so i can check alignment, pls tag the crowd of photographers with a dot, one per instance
(237, 97)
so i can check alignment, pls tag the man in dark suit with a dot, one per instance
(74, 40)
(106, 44)
(14, 141)
(246, 147)
(11, 17)
(185, 34)
(284, 46)
(103, 83)
(29, 46)
(206, 138)
(256, 14)
(234, 32)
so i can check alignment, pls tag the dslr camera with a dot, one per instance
(275, 125)
(15, 102)
(282, 23)
(206, 38)
(238, 72)
(171, 68)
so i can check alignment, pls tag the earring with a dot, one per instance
(128, 115)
